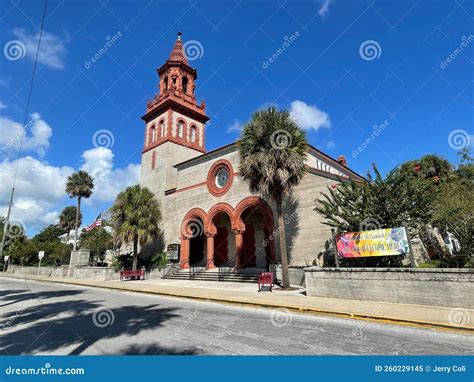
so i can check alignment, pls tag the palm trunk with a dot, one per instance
(135, 253)
(283, 252)
(77, 220)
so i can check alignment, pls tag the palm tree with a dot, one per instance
(272, 152)
(79, 185)
(135, 216)
(67, 219)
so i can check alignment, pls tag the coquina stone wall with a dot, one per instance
(438, 287)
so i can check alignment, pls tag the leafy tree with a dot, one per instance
(79, 185)
(50, 233)
(394, 201)
(272, 152)
(97, 241)
(134, 217)
(67, 219)
(24, 251)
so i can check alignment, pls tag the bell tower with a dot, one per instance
(174, 123)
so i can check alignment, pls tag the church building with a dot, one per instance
(206, 208)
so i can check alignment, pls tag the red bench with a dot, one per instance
(265, 278)
(132, 274)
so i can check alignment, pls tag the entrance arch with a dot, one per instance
(221, 246)
(254, 222)
(192, 238)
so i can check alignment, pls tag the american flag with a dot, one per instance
(97, 223)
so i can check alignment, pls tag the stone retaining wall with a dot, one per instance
(33, 270)
(95, 273)
(439, 287)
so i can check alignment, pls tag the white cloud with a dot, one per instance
(236, 126)
(324, 7)
(330, 145)
(39, 187)
(108, 182)
(2, 105)
(52, 49)
(37, 135)
(309, 117)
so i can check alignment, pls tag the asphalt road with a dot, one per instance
(45, 318)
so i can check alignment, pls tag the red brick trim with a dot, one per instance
(217, 209)
(211, 185)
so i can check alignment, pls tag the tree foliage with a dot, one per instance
(98, 241)
(272, 151)
(134, 217)
(394, 201)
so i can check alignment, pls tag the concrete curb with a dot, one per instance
(294, 308)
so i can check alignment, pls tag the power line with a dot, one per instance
(30, 91)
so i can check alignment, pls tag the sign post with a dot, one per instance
(5, 261)
(336, 255)
(40, 256)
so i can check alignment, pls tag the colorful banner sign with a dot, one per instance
(379, 242)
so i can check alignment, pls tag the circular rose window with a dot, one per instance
(222, 177)
(219, 178)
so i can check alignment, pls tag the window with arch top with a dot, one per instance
(153, 133)
(180, 129)
(184, 83)
(192, 134)
(162, 128)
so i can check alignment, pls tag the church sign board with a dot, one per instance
(379, 242)
(172, 252)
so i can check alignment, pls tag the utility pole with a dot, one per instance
(5, 228)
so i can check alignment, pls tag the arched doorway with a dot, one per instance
(220, 230)
(254, 220)
(196, 243)
(222, 243)
(193, 239)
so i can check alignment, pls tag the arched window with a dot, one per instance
(180, 129)
(153, 133)
(192, 134)
(166, 82)
(162, 128)
(184, 82)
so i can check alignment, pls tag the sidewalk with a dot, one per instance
(246, 294)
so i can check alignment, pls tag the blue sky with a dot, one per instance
(404, 66)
